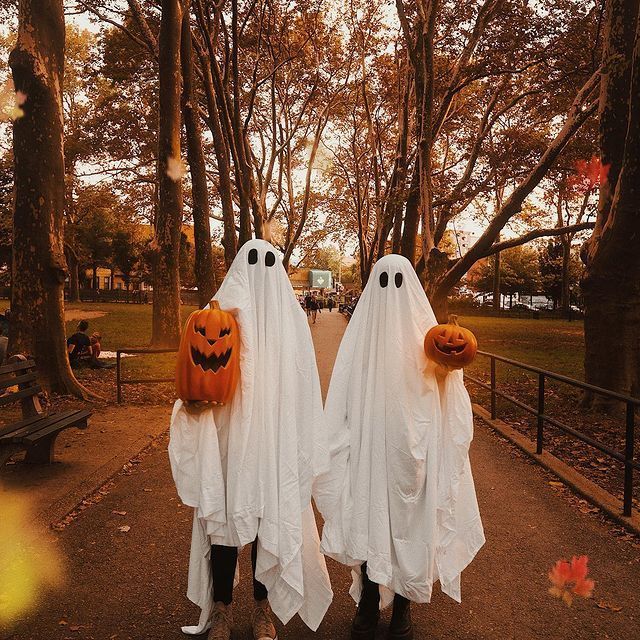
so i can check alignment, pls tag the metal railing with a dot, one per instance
(122, 381)
(626, 458)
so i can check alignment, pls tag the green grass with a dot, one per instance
(556, 345)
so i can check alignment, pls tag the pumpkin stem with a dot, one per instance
(215, 305)
(453, 319)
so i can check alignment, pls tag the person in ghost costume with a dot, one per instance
(399, 500)
(247, 467)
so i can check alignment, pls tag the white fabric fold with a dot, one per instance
(247, 468)
(399, 493)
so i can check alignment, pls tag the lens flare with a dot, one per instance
(30, 563)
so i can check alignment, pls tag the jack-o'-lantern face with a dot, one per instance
(450, 344)
(208, 364)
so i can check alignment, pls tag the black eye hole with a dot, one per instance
(253, 256)
(201, 331)
(384, 279)
(224, 332)
(398, 280)
(270, 259)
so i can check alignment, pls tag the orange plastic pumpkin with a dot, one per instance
(208, 366)
(450, 345)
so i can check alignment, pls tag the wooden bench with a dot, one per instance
(37, 431)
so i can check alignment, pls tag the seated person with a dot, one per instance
(79, 345)
(96, 348)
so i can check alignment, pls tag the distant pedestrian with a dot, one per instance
(330, 304)
(313, 307)
(308, 302)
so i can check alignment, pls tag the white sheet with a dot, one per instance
(247, 468)
(399, 493)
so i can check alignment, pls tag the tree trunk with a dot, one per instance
(74, 276)
(440, 306)
(39, 267)
(565, 303)
(225, 189)
(411, 218)
(419, 208)
(166, 259)
(611, 285)
(496, 282)
(613, 109)
(204, 272)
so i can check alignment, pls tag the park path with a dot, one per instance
(132, 585)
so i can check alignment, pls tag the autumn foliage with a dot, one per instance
(589, 174)
(569, 579)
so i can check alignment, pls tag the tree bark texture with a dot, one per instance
(496, 282)
(613, 109)
(611, 285)
(74, 275)
(166, 267)
(204, 272)
(39, 267)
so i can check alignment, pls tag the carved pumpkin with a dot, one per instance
(450, 345)
(208, 365)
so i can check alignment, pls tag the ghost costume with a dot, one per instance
(247, 467)
(399, 494)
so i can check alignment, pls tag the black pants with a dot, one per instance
(370, 597)
(223, 563)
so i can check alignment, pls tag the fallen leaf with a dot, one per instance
(124, 528)
(607, 605)
(119, 513)
(570, 578)
(554, 483)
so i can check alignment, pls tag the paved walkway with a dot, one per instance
(123, 585)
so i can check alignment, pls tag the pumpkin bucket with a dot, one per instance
(450, 345)
(208, 365)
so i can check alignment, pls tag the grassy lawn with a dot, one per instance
(556, 345)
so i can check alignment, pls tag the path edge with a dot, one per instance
(67, 504)
(579, 483)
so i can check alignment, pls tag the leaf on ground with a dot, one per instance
(601, 604)
(119, 513)
(124, 528)
(555, 483)
(148, 490)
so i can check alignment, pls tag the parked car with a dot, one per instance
(521, 306)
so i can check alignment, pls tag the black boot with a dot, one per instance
(401, 627)
(365, 622)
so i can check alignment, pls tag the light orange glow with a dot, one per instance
(29, 562)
